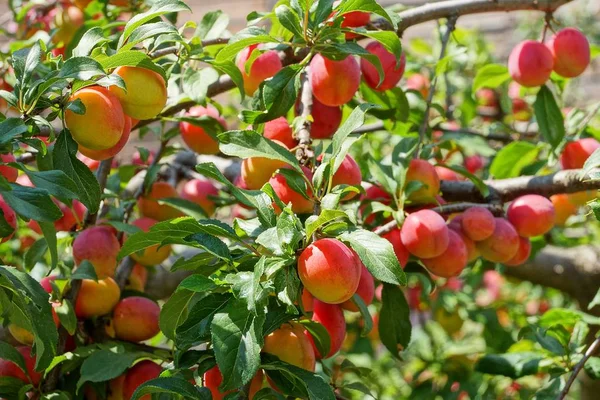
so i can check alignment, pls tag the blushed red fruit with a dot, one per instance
(424, 172)
(530, 63)
(140, 373)
(326, 120)
(522, 254)
(280, 130)
(355, 19)
(420, 83)
(478, 223)
(9, 173)
(152, 255)
(365, 289)
(263, 67)
(96, 298)
(137, 159)
(571, 52)
(446, 174)
(291, 345)
(474, 163)
(392, 69)
(100, 155)
(195, 137)
(472, 252)
(138, 278)
(300, 204)
(576, 153)
(100, 247)
(10, 369)
(256, 171)
(149, 206)
(307, 300)
(563, 208)
(452, 261)
(502, 245)
(67, 21)
(401, 253)
(199, 191)
(72, 217)
(334, 82)
(531, 215)
(45, 282)
(9, 216)
(487, 97)
(329, 270)
(331, 317)
(135, 319)
(521, 110)
(212, 380)
(348, 173)
(425, 234)
(146, 93)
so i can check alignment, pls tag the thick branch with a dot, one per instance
(303, 134)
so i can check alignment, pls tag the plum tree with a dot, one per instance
(334, 82)
(100, 247)
(67, 21)
(96, 298)
(149, 204)
(10, 217)
(419, 83)
(348, 173)
(530, 63)
(212, 380)
(9, 173)
(522, 254)
(146, 92)
(393, 70)
(196, 137)
(200, 192)
(138, 278)
(290, 344)
(400, 250)
(135, 319)
(425, 234)
(531, 215)
(571, 52)
(21, 335)
(563, 208)
(263, 67)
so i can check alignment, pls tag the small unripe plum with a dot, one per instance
(571, 52)
(474, 163)
(140, 373)
(212, 381)
(100, 247)
(280, 130)
(195, 137)
(291, 345)
(7, 172)
(420, 83)
(146, 93)
(576, 153)
(478, 223)
(326, 120)
(200, 192)
(425, 234)
(531, 215)
(96, 298)
(329, 270)
(446, 174)
(137, 279)
(331, 317)
(136, 319)
(522, 254)
(486, 97)
(530, 63)
(67, 21)
(256, 171)
(452, 261)
(152, 255)
(149, 206)
(502, 245)
(300, 205)
(401, 253)
(424, 172)
(581, 198)
(334, 83)
(365, 289)
(21, 335)
(263, 67)
(563, 208)
(100, 155)
(392, 71)
(102, 124)
(9, 216)
(521, 110)
(10, 369)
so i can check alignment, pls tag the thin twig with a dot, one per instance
(589, 353)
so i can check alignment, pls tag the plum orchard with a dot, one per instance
(318, 231)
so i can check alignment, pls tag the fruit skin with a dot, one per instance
(138, 374)
(280, 130)
(100, 247)
(256, 171)
(198, 191)
(326, 120)
(21, 335)
(212, 380)
(136, 319)
(152, 255)
(401, 253)
(392, 74)
(67, 21)
(571, 52)
(474, 163)
(195, 137)
(575, 153)
(530, 63)
(581, 198)
(522, 254)
(452, 261)
(138, 278)
(256, 384)
(102, 125)
(502, 245)
(334, 82)
(96, 298)
(331, 317)
(425, 234)
(263, 67)
(10, 369)
(563, 208)
(354, 19)
(446, 174)
(71, 216)
(146, 93)
(424, 172)
(9, 216)
(287, 195)
(329, 270)
(472, 252)
(9, 173)
(531, 215)
(291, 345)
(115, 388)
(149, 206)
(100, 155)
(365, 289)
(348, 173)
(478, 223)
(420, 83)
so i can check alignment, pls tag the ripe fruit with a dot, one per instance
(563, 208)
(420, 83)
(102, 124)
(365, 289)
(474, 163)
(10, 369)
(146, 93)
(291, 345)
(575, 153)
(96, 298)
(195, 137)
(136, 319)
(452, 261)
(530, 63)
(326, 120)
(71, 216)
(331, 317)
(334, 82)
(354, 19)
(478, 223)
(422, 171)
(300, 204)
(46, 284)
(115, 388)
(67, 21)
(581, 198)
(138, 374)
(263, 67)
(531, 215)
(199, 191)
(486, 97)
(280, 130)
(21, 335)
(502, 245)
(149, 206)
(100, 155)
(472, 252)
(256, 171)
(9, 173)
(522, 254)
(100, 247)
(152, 255)
(329, 270)
(425, 234)
(137, 279)
(446, 174)
(401, 253)
(212, 380)
(9, 216)
(348, 173)
(392, 71)
(571, 52)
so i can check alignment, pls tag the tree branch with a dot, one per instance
(589, 353)
(303, 135)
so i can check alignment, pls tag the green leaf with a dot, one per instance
(105, 364)
(81, 68)
(490, 76)
(513, 365)
(49, 231)
(313, 222)
(10, 353)
(195, 83)
(592, 367)
(289, 20)
(549, 117)
(364, 312)
(388, 39)
(55, 182)
(228, 67)
(176, 387)
(197, 283)
(511, 159)
(394, 320)
(131, 58)
(174, 312)
(592, 162)
(213, 25)
(319, 334)
(595, 301)
(66, 315)
(35, 253)
(241, 40)
(279, 93)
(85, 270)
(196, 327)
(148, 31)
(31, 203)
(211, 244)
(11, 128)
(90, 39)
(477, 181)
